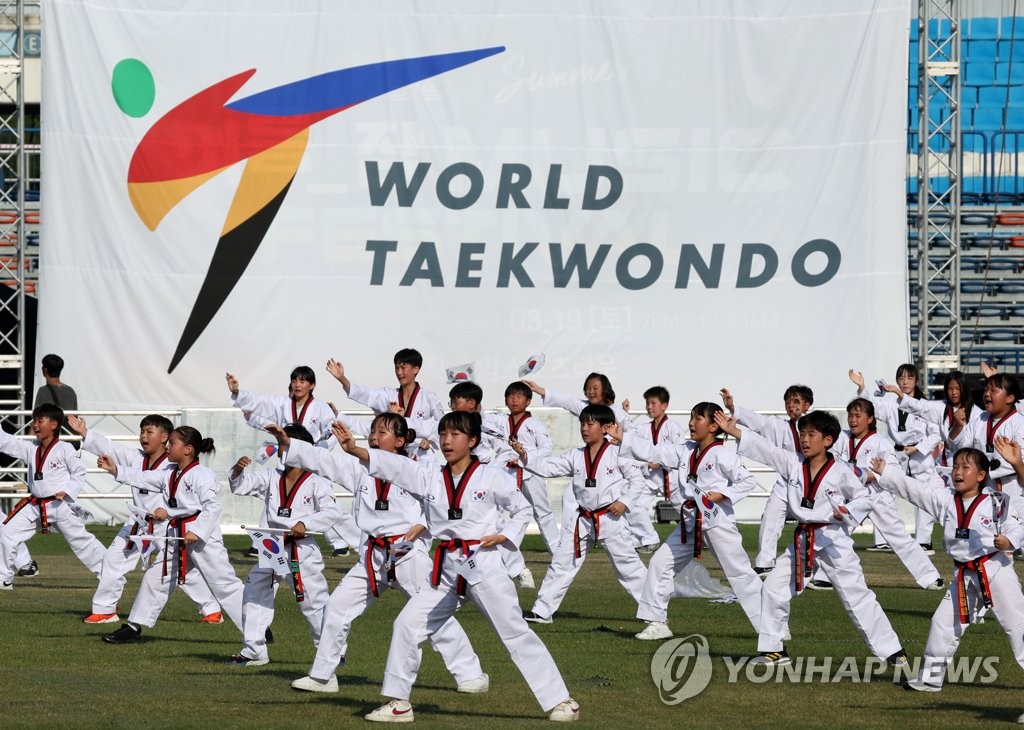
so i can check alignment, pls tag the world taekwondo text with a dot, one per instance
(504, 264)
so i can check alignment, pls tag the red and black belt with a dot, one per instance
(384, 543)
(594, 516)
(978, 566)
(180, 524)
(39, 502)
(443, 548)
(698, 527)
(803, 567)
(514, 464)
(292, 544)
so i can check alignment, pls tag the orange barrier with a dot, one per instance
(7, 217)
(1010, 219)
(32, 217)
(30, 286)
(1016, 241)
(11, 263)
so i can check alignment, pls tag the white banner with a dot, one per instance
(697, 194)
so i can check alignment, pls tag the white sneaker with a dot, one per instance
(526, 579)
(5, 586)
(241, 660)
(393, 711)
(535, 618)
(475, 686)
(311, 684)
(938, 585)
(920, 686)
(567, 710)
(655, 630)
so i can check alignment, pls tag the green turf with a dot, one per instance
(55, 671)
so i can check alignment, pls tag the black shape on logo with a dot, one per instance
(234, 251)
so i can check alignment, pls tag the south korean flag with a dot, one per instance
(271, 549)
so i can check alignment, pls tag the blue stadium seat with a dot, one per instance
(1010, 49)
(1010, 142)
(913, 30)
(1004, 189)
(972, 188)
(1000, 96)
(968, 96)
(983, 29)
(912, 119)
(984, 51)
(1010, 74)
(979, 74)
(974, 141)
(987, 119)
(1015, 118)
(1011, 27)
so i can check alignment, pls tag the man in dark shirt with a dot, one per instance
(55, 391)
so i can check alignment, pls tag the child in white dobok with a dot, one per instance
(189, 519)
(606, 487)
(298, 501)
(857, 447)
(980, 530)
(714, 481)
(392, 553)
(463, 502)
(827, 501)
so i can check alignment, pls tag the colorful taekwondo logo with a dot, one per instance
(206, 134)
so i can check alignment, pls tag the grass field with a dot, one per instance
(55, 671)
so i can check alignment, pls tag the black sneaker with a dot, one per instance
(29, 571)
(772, 658)
(127, 634)
(927, 547)
(535, 619)
(899, 659)
(268, 635)
(938, 585)
(340, 552)
(252, 553)
(820, 585)
(762, 571)
(881, 548)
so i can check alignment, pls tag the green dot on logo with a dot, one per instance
(133, 87)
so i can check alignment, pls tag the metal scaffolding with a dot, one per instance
(14, 188)
(939, 186)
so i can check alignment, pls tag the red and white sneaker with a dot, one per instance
(101, 618)
(393, 711)
(567, 710)
(213, 618)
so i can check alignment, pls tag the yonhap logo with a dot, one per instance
(681, 668)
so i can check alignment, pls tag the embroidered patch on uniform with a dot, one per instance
(709, 466)
(609, 470)
(308, 499)
(479, 495)
(986, 521)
